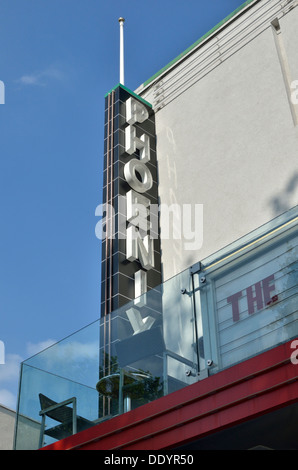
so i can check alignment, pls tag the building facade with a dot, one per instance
(198, 334)
(226, 121)
(7, 427)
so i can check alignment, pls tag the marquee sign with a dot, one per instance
(256, 301)
(130, 249)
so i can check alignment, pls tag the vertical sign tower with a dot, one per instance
(131, 262)
(131, 247)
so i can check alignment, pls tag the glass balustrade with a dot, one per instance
(232, 306)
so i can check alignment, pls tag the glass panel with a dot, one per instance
(191, 326)
(178, 318)
(251, 298)
(136, 342)
(131, 357)
(75, 357)
(256, 302)
(37, 384)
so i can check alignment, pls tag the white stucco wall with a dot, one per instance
(7, 424)
(227, 139)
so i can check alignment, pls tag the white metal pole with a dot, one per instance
(121, 22)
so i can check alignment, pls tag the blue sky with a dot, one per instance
(58, 58)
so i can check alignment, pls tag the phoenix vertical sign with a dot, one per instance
(130, 247)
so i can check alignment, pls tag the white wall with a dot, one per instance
(7, 423)
(228, 141)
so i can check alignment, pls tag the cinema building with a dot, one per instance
(196, 346)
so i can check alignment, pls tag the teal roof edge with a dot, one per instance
(209, 33)
(129, 91)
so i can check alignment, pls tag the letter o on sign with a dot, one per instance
(138, 176)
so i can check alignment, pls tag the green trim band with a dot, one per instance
(180, 56)
(131, 92)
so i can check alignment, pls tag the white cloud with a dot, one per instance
(30, 80)
(9, 379)
(7, 399)
(33, 349)
(10, 372)
(11, 369)
(42, 77)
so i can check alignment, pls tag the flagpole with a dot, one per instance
(121, 22)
